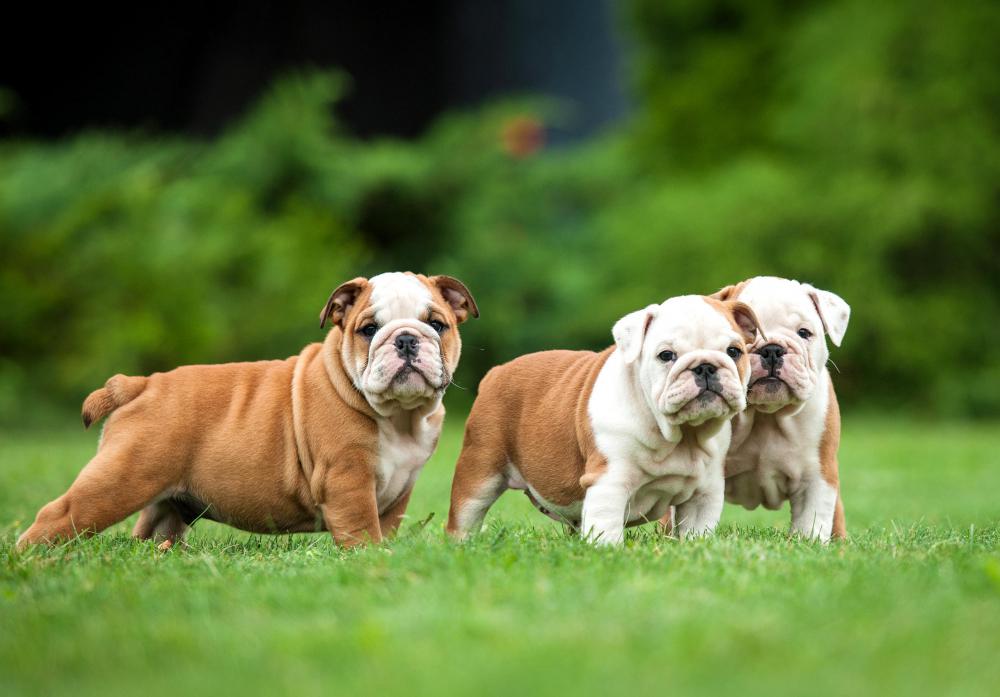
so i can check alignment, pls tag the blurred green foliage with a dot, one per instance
(849, 144)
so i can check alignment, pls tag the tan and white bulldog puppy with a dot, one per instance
(605, 440)
(784, 445)
(331, 439)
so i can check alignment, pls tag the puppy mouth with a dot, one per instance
(769, 391)
(412, 368)
(707, 394)
(703, 400)
(771, 383)
(404, 373)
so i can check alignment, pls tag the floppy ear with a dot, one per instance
(457, 295)
(746, 320)
(630, 331)
(834, 313)
(341, 300)
(729, 292)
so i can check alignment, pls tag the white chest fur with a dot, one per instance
(773, 457)
(674, 480)
(405, 445)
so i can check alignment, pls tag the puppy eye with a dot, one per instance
(805, 333)
(437, 326)
(734, 352)
(667, 356)
(368, 331)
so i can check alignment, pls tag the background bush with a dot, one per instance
(847, 144)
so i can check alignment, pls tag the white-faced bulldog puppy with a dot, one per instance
(605, 440)
(330, 439)
(784, 445)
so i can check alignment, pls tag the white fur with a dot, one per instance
(396, 295)
(775, 448)
(832, 310)
(629, 330)
(405, 443)
(657, 459)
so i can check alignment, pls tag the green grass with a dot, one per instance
(910, 605)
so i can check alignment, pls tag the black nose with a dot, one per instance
(771, 355)
(406, 345)
(704, 370)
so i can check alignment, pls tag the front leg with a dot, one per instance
(813, 505)
(700, 514)
(604, 507)
(393, 516)
(348, 503)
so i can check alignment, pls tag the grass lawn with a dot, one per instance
(910, 605)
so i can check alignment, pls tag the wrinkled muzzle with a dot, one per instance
(702, 385)
(405, 363)
(780, 374)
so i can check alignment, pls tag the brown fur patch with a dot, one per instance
(343, 298)
(829, 468)
(829, 443)
(839, 530)
(454, 292)
(725, 308)
(729, 292)
(729, 310)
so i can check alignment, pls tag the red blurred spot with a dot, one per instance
(522, 136)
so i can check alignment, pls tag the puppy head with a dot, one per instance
(689, 356)
(400, 342)
(788, 364)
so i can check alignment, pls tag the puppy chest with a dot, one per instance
(400, 461)
(774, 459)
(769, 474)
(652, 500)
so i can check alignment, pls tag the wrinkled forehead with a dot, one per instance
(689, 322)
(398, 296)
(779, 302)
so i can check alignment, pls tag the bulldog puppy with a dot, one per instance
(602, 440)
(785, 445)
(331, 439)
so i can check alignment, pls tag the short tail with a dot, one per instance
(118, 390)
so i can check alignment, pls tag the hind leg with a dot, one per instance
(479, 480)
(106, 491)
(160, 522)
